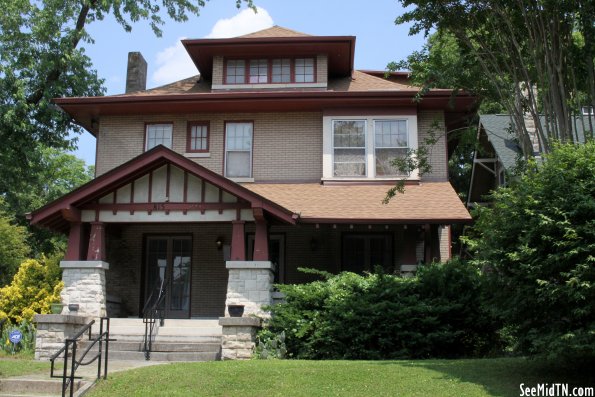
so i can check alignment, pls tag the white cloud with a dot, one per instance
(244, 22)
(174, 63)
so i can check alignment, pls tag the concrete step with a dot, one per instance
(136, 346)
(165, 356)
(35, 387)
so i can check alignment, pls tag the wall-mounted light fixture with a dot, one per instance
(219, 243)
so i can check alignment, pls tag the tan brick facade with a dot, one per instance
(432, 123)
(286, 147)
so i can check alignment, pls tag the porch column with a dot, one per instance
(261, 238)
(96, 250)
(75, 240)
(238, 241)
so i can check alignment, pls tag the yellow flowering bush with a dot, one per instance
(36, 285)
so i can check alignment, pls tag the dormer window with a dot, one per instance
(270, 71)
(236, 71)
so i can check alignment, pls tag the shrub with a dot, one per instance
(13, 246)
(379, 316)
(35, 286)
(537, 242)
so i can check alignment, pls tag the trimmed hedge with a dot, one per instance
(380, 316)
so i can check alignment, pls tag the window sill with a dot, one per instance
(197, 155)
(242, 180)
(249, 86)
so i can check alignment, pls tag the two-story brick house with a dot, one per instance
(277, 156)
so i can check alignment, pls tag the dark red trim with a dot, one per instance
(145, 163)
(238, 241)
(189, 126)
(402, 221)
(150, 207)
(96, 250)
(203, 188)
(220, 200)
(131, 195)
(185, 199)
(150, 196)
(74, 250)
(261, 238)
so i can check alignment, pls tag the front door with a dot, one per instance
(169, 261)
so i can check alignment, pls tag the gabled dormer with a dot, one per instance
(272, 59)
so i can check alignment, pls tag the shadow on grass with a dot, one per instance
(503, 376)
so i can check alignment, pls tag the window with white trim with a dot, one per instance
(349, 148)
(158, 134)
(236, 71)
(390, 142)
(238, 149)
(363, 147)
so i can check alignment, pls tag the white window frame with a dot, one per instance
(365, 147)
(328, 145)
(149, 125)
(239, 178)
(389, 147)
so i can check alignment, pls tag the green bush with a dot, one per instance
(537, 243)
(379, 316)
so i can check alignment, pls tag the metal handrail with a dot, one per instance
(151, 312)
(70, 347)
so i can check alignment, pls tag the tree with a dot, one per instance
(13, 246)
(41, 57)
(536, 245)
(536, 55)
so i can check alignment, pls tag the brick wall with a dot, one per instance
(217, 70)
(428, 122)
(287, 146)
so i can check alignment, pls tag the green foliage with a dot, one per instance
(13, 246)
(27, 343)
(537, 244)
(270, 345)
(379, 316)
(36, 285)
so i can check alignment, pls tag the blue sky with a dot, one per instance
(378, 42)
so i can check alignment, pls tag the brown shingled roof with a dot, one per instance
(275, 31)
(364, 82)
(431, 202)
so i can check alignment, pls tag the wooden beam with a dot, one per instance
(71, 214)
(150, 207)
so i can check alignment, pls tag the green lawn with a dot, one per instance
(21, 365)
(488, 377)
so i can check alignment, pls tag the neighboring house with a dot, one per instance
(276, 157)
(499, 152)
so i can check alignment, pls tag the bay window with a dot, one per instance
(266, 71)
(238, 149)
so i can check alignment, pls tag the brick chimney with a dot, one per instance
(136, 73)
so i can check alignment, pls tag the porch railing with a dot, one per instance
(153, 310)
(72, 363)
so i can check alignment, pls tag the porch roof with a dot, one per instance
(57, 214)
(428, 202)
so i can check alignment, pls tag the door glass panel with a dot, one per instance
(157, 261)
(354, 254)
(180, 283)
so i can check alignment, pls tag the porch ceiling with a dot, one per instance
(429, 202)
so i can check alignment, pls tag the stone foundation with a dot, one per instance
(250, 284)
(53, 330)
(239, 337)
(84, 284)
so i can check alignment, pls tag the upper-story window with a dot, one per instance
(265, 71)
(364, 147)
(158, 134)
(304, 70)
(236, 71)
(259, 71)
(238, 149)
(349, 148)
(390, 142)
(198, 137)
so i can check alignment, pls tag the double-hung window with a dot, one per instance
(238, 149)
(158, 134)
(235, 72)
(198, 137)
(390, 142)
(304, 70)
(349, 148)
